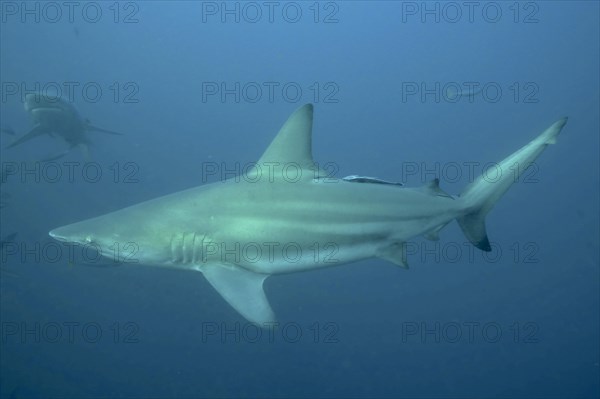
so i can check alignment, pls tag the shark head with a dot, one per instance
(120, 237)
(49, 109)
(40, 100)
(36, 102)
(84, 233)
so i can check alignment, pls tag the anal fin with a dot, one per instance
(473, 226)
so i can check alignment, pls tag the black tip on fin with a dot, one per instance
(484, 244)
(473, 226)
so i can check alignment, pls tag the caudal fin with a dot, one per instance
(480, 196)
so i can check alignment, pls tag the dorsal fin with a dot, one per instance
(291, 150)
(433, 188)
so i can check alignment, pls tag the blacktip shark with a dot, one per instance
(54, 116)
(287, 215)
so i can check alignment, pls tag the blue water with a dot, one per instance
(189, 85)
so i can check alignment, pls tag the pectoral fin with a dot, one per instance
(37, 130)
(242, 289)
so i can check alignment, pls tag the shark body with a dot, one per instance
(53, 116)
(288, 216)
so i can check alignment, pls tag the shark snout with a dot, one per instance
(60, 234)
(68, 234)
(57, 235)
(41, 100)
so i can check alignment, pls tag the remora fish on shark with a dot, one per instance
(52, 115)
(240, 231)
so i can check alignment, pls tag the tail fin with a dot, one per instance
(481, 195)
